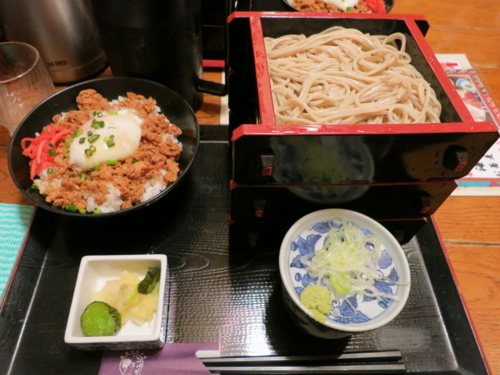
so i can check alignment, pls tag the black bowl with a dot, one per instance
(171, 104)
(389, 4)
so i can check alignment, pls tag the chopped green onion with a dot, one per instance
(71, 207)
(97, 212)
(81, 140)
(105, 139)
(89, 133)
(112, 162)
(110, 143)
(112, 113)
(34, 187)
(111, 136)
(94, 138)
(134, 160)
(50, 170)
(111, 127)
(71, 175)
(92, 148)
(97, 114)
(97, 124)
(66, 155)
(50, 144)
(88, 152)
(348, 9)
(96, 167)
(82, 211)
(52, 152)
(83, 176)
(67, 143)
(74, 134)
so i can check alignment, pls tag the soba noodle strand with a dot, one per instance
(342, 76)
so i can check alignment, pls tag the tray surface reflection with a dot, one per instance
(218, 293)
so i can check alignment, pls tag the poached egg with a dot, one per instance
(107, 136)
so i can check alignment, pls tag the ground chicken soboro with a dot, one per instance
(156, 152)
(322, 6)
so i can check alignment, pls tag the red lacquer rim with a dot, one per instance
(466, 308)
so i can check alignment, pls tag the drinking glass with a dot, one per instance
(24, 82)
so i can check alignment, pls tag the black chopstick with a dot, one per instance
(378, 356)
(374, 368)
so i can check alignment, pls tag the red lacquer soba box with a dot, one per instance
(397, 173)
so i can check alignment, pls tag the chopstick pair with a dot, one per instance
(332, 364)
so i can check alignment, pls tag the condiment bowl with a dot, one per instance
(93, 273)
(175, 108)
(356, 313)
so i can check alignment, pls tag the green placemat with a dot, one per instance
(14, 221)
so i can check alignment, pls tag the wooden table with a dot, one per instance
(469, 225)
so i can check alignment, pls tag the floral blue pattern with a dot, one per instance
(305, 247)
(355, 309)
(347, 314)
(385, 259)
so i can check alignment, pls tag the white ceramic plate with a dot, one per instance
(93, 273)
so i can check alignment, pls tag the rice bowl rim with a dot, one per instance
(171, 100)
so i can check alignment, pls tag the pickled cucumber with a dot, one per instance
(100, 319)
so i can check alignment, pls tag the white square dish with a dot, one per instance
(93, 273)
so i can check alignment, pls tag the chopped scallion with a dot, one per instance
(97, 211)
(94, 138)
(50, 170)
(34, 187)
(82, 211)
(89, 133)
(110, 143)
(97, 114)
(112, 162)
(134, 160)
(96, 167)
(112, 113)
(50, 144)
(67, 143)
(83, 176)
(88, 152)
(52, 152)
(71, 175)
(66, 155)
(81, 140)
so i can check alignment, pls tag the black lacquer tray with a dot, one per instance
(219, 292)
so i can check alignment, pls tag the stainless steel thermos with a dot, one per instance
(63, 31)
(159, 40)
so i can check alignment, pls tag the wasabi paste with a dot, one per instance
(318, 300)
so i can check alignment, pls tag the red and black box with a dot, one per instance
(398, 174)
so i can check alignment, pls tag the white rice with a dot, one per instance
(44, 184)
(113, 201)
(153, 187)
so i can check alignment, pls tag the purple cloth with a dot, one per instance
(173, 359)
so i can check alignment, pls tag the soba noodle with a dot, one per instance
(342, 76)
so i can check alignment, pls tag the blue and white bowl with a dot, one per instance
(305, 237)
